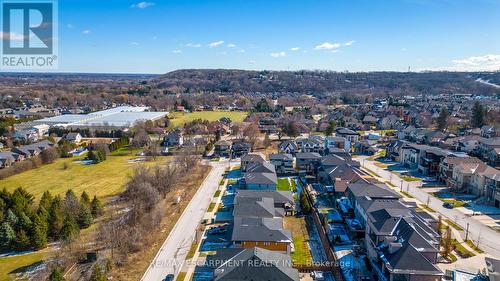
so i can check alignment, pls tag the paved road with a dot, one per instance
(174, 250)
(489, 239)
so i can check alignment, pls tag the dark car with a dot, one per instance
(169, 277)
(448, 205)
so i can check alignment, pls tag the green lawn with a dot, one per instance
(300, 236)
(180, 118)
(409, 178)
(103, 179)
(10, 264)
(284, 184)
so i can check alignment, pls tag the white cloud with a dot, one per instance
(295, 49)
(215, 44)
(134, 43)
(13, 36)
(86, 32)
(193, 45)
(327, 46)
(231, 45)
(278, 54)
(251, 62)
(488, 62)
(349, 43)
(142, 5)
(241, 51)
(177, 51)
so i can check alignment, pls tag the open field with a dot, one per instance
(104, 179)
(180, 118)
(300, 236)
(10, 264)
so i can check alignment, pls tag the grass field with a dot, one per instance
(10, 264)
(300, 236)
(180, 118)
(286, 184)
(103, 179)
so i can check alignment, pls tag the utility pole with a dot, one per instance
(401, 185)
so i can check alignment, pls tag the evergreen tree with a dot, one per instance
(96, 207)
(85, 199)
(85, 218)
(46, 200)
(24, 222)
(56, 275)
(22, 240)
(39, 233)
(70, 228)
(478, 115)
(56, 218)
(11, 217)
(304, 203)
(442, 120)
(7, 236)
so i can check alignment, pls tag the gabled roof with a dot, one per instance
(281, 157)
(254, 207)
(251, 157)
(308, 155)
(279, 197)
(260, 230)
(261, 178)
(241, 264)
(407, 260)
(372, 191)
(264, 167)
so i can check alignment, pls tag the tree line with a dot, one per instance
(29, 226)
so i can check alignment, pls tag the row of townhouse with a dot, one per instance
(21, 153)
(458, 170)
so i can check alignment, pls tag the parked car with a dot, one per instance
(169, 277)
(448, 205)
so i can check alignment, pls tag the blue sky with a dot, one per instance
(159, 36)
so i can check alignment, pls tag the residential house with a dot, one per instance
(400, 244)
(448, 163)
(283, 163)
(489, 131)
(262, 232)
(229, 264)
(250, 159)
(488, 150)
(73, 137)
(308, 161)
(348, 134)
(222, 148)
(331, 143)
(310, 145)
(260, 181)
(288, 147)
(284, 202)
(6, 159)
(174, 138)
(240, 149)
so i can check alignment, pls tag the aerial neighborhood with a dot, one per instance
(398, 188)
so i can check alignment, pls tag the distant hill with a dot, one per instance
(321, 82)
